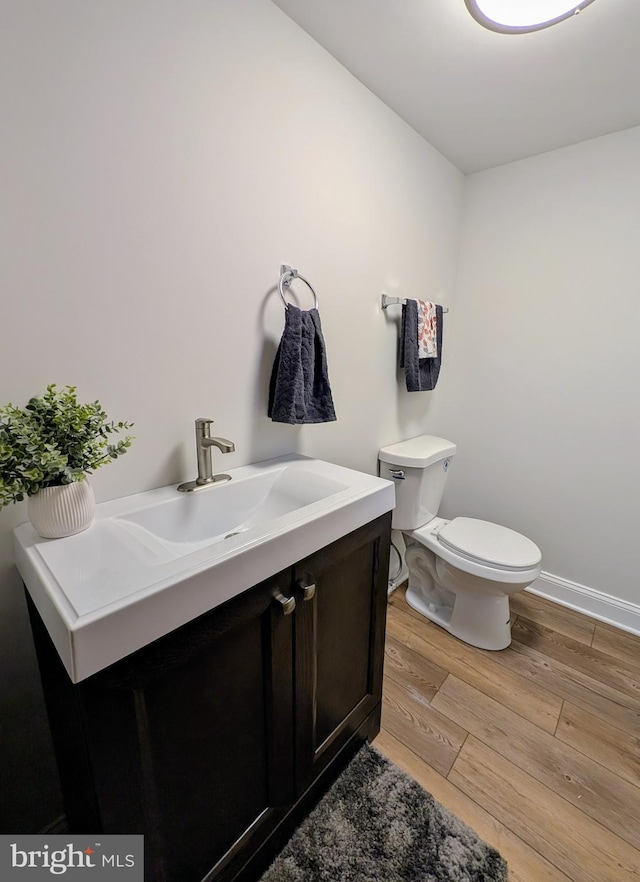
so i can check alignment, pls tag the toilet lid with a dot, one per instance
(490, 543)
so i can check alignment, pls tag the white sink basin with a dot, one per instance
(154, 561)
(187, 521)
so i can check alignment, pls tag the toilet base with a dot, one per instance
(481, 620)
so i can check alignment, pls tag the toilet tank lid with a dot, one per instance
(417, 452)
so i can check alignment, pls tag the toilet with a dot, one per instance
(461, 571)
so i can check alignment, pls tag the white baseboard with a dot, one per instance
(619, 613)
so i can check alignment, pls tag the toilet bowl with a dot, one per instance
(460, 571)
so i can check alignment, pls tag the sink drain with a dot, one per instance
(242, 529)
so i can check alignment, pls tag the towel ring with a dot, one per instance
(287, 275)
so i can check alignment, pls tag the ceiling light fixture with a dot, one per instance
(521, 16)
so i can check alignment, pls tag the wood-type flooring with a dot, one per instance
(536, 747)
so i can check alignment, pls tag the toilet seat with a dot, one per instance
(489, 544)
(477, 563)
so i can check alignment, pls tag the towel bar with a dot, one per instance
(387, 300)
(287, 275)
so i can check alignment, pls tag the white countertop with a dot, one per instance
(118, 586)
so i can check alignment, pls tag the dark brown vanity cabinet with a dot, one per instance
(214, 740)
(339, 647)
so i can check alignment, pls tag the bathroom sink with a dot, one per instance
(151, 562)
(183, 523)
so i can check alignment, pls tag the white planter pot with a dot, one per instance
(56, 512)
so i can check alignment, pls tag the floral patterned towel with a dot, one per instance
(427, 330)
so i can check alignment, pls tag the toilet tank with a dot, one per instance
(419, 469)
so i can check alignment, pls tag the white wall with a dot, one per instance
(159, 161)
(543, 391)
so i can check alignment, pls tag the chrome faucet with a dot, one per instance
(204, 443)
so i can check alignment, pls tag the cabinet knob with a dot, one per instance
(288, 604)
(308, 591)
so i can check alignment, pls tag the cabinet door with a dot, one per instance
(339, 643)
(207, 713)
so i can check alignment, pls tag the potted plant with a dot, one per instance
(46, 451)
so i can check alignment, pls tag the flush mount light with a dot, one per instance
(520, 16)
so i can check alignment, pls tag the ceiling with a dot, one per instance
(483, 98)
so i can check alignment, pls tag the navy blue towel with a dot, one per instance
(299, 390)
(421, 374)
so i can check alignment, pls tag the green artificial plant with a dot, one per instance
(54, 440)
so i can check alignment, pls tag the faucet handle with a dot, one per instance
(203, 426)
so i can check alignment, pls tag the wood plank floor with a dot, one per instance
(536, 747)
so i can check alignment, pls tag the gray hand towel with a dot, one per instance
(421, 374)
(299, 390)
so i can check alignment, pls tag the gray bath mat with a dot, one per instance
(376, 824)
